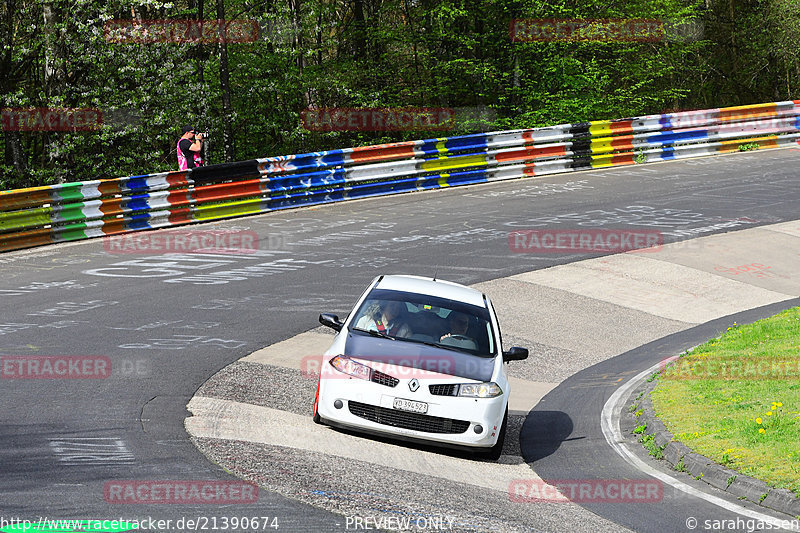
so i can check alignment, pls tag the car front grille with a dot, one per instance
(384, 379)
(405, 420)
(443, 390)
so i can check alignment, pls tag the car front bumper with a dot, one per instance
(449, 420)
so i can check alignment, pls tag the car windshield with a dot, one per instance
(416, 317)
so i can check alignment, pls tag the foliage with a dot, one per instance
(736, 399)
(363, 53)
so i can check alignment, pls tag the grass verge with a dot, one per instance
(736, 399)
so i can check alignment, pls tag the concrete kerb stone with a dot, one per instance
(744, 486)
(696, 465)
(718, 476)
(681, 458)
(675, 454)
(783, 500)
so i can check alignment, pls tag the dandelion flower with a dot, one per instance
(769, 413)
(761, 430)
(758, 420)
(780, 404)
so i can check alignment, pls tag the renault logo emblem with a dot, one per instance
(413, 385)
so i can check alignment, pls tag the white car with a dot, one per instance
(418, 359)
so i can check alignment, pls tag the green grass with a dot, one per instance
(649, 442)
(748, 147)
(736, 399)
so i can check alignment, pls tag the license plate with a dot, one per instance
(410, 405)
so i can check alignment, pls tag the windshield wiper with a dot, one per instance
(375, 333)
(435, 345)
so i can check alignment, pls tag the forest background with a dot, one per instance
(250, 94)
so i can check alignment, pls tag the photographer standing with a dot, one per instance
(189, 146)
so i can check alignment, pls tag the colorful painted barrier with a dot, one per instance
(74, 211)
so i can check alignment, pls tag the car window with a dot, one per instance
(421, 318)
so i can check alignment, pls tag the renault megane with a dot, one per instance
(418, 359)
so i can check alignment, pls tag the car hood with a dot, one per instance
(421, 356)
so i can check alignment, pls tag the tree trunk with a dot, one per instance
(15, 155)
(225, 88)
(298, 47)
(200, 58)
(360, 27)
(54, 84)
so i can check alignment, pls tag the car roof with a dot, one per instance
(432, 287)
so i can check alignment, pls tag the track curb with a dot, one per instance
(682, 459)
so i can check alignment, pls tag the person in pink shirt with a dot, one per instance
(189, 146)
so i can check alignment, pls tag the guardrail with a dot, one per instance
(82, 210)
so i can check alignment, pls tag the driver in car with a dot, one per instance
(458, 324)
(387, 317)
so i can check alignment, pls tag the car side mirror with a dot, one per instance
(515, 354)
(332, 321)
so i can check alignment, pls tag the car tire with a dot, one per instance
(496, 451)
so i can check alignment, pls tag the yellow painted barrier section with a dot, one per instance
(29, 218)
(243, 207)
(447, 163)
(742, 112)
(601, 145)
(770, 141)
(612, 160)
(600, 127)
(602, 161)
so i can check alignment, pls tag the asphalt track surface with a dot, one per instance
(169, 322)
(563, 439)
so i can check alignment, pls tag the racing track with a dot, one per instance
(168, 323)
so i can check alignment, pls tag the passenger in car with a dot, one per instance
(387, 317)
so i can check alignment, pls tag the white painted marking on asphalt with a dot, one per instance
(657, 287)
(91, 450)
(229, 420)
(609, 423)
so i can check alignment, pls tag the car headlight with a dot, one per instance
(347, 366)
(480, 390)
